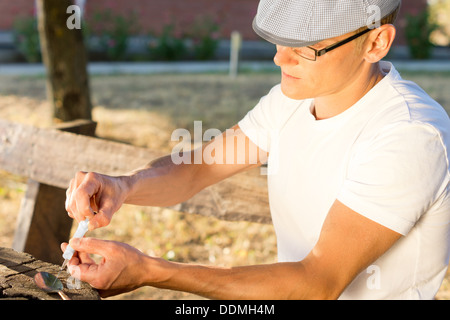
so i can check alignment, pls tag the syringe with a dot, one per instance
(81, 231)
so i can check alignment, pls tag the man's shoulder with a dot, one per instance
(403, 93)
(403, 101)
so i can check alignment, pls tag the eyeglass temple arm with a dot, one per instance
(341, 43)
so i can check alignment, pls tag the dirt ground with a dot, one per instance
(144, 110)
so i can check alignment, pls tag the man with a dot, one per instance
(359, 193)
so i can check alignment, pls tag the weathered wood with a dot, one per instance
(53, 157)
(235, 48)
(43, 223)
(242, 197)
(17, 271)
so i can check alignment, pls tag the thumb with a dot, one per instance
(101, 219)
(90, 245)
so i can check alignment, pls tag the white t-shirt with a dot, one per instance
(386, 158)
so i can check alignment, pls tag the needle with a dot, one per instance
(64, 264)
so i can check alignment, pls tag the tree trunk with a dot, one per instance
(64, 55)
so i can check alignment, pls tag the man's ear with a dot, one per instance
(379, 42)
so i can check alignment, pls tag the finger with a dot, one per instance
(69, 196)
(78, 257)
(84, 257)
(83, 195)
(74, 260)
(82, 266)
(71, 207)
(93, 203)
(64, 246)
(101, 219)
(91, 245)
(84, 271)
(106, 206)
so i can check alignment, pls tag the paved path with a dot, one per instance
(197, 67)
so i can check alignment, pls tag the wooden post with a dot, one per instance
(43, 223)
(236, 41)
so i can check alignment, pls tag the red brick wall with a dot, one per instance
(154, 14)
(10, 10)
(408, 6)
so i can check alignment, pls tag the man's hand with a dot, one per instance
(120, 270)
(91, 193)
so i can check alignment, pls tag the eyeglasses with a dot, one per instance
(310, 53)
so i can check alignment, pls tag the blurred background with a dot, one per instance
(142, 30)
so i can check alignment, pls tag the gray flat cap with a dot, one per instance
(299, 23)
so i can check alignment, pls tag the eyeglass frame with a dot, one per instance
(321, 52)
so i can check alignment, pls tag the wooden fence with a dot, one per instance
(49, 158)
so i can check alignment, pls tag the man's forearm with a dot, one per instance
(269, 281)
(162, 183)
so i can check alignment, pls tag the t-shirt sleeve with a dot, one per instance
(263, 123)
(397, 175)
(258, 122)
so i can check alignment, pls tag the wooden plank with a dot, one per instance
(43, 223)
(53, 157)
(17, 270)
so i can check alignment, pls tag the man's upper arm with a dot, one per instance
(348, 243)
(225, 155)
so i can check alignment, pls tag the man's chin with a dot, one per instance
(294, 93)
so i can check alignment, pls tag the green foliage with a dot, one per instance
(418, 31)
(113, 31)
(168, 45)
(205, 37)
(26, 38)
(200, 41)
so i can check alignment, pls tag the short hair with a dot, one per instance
(388, 19)
(391, 17)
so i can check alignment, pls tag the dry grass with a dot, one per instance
(144, 110)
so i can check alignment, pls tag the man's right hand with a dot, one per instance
(95, 196)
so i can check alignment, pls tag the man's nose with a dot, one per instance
(285, 56)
